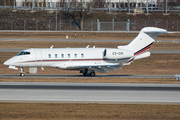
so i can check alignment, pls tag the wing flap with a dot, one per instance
(99, 70)
(111, 68)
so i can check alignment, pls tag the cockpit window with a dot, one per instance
(23, 53)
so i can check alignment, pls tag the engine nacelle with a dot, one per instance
(117, 54)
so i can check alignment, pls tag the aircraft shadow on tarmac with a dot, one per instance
(61, 76)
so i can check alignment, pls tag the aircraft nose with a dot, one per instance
(6, 62)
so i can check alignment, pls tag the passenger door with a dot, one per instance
(38, 60)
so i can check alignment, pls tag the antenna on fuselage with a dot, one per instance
(87, 46)
(51, 47)
(42, 68)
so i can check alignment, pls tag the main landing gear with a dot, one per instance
(22, 72)
(92, 74)
(87, 72)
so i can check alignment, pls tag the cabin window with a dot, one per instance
(104, 53)
(23, 53)
(55, 55)
(62, 55)
(49, 55)
(82, 55)
(75, 55)
(68, 55)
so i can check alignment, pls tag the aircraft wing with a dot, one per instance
(104, 69)
(98, 68)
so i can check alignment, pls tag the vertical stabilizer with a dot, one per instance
(144, 40)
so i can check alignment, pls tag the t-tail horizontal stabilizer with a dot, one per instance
(144, 40)
(142, 43)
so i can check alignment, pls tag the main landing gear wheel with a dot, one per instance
(84, 74)
(87, 72)
(22, 74)
(92, 74)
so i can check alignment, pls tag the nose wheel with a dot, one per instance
(22, 72)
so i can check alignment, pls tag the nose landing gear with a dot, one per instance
(22, 72)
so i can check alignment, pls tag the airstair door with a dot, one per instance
(38, 58)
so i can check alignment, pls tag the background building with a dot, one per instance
(86, 3)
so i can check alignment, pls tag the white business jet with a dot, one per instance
(87, 60)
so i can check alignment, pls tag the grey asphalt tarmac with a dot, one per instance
(81, 76)
(90, 92)
(80, 40)
(76, 40)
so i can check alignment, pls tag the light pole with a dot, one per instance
(14, 4)
(51, 5)
(147, 6)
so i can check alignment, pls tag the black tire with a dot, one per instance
(22, 74)
(92, 74)
(85, 74)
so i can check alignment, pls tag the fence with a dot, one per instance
(60, 25)
(91, 5)
(169, 25)
(88, 25)
(112, 26)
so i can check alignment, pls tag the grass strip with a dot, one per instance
(66, 111)
(94, 80)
